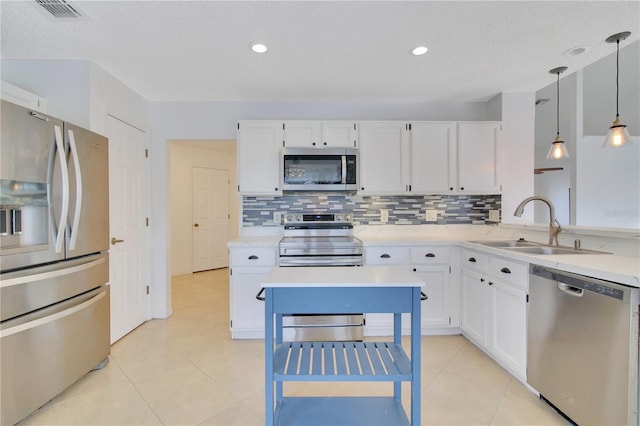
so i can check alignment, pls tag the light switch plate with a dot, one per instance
(384, 216)
(277, 217)
(431, 215)
(494, 215)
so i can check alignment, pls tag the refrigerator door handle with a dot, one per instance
(65, 189)
(28, 278)
(73, 229)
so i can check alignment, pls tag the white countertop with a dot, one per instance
(617, 268)
(365, 276)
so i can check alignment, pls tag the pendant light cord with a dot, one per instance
(617, 75)
(558, 105)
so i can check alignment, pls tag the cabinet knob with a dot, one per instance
(481, 280)
(275, 188)
(195, 225)
(451, 188)
(472, 260)
(385, 256)
(115, 241)
(415, 270)
(325, 144)
(429, 255)
(253, 257)
(462, 188)
(313, 143)
(362, 189)
(490, 283)
(505, 270)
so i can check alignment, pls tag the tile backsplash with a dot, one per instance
(402, 210)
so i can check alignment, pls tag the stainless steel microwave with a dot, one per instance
(319, 169)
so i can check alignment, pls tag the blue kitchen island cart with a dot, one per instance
(341, 290)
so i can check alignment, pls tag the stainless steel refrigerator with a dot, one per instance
(54, 261)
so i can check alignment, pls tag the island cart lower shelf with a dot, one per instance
(341, 290)
(349, 410)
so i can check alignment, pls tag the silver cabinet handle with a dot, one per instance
(115, 241)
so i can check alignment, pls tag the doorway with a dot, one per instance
(193, 201)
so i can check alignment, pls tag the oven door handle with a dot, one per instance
(259, 297)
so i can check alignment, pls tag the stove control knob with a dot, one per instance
(339, 218)
(288, 218)
(348, 217)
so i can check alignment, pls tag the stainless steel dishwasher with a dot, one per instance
(583, 346)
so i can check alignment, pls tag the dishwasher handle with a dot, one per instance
(570, 290)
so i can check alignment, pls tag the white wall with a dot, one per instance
(211, 154)
(63, 83)
(516, 160)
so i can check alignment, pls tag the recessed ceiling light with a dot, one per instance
(420, 50)
(575, 51)
(259, 48)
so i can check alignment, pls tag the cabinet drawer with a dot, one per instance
(263, 256)
(386, 255)
(474, 260)
(510, 271)
(429, 255)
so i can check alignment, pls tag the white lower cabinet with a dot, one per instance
(432, 264)
(248, 267)
(494, 308)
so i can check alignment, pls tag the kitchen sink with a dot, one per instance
(507, 243)
(553, 250)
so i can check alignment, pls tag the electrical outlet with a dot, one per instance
(277, 217)
(494, 215)
(384, 216)
(431, 215)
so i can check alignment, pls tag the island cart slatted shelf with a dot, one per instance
(339, 290)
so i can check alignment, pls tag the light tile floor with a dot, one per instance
(186, 370)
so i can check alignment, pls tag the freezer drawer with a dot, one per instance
(45, 352)
(26, 291)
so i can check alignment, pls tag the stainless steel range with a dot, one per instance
(321, 240)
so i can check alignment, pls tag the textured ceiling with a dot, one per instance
(323, 50)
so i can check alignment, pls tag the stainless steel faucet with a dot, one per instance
(554, 225)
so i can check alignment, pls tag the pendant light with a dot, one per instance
(558, 150)
(618, 134)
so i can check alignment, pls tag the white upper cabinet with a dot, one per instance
(259, 144)
(320, 134)
(433, 157)
(383, 148)
(478, 157)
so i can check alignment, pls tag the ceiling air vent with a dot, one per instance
(60, 8)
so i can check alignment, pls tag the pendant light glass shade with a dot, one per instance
(558, 149)
(618, 134)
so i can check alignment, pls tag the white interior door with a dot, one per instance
(210, 218)
(129, 207)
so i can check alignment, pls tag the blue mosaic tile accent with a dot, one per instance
(403, 210)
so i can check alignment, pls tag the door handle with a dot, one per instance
(115, 241)
(195, 225)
